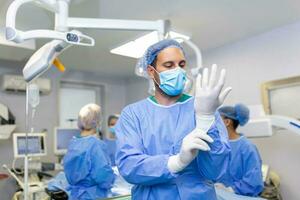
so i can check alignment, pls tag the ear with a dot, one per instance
(227, 122)
(150, 71)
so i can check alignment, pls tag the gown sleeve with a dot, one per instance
(213, 164)
(133, 163)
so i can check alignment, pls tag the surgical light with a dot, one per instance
(136, 48)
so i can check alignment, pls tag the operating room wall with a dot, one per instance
(47, 112)
(269, 56)
(136, 89)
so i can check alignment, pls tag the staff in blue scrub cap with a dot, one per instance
(110, 139)
(244, 175)
(86, 164)
(171, 145)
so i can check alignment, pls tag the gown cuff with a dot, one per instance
(204, 122)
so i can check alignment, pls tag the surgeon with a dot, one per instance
(172, 145)
(244, 175)
(110, 140)
(86, 164)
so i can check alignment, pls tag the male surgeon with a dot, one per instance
(172, 145)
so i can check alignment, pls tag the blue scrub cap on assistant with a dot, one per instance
(239, 113)
(111, 117)
(152, 51)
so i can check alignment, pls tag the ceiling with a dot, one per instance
(210, 23)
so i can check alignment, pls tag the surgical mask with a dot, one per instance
(112, 130)
(172, 81)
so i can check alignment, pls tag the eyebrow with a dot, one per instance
(171, 62)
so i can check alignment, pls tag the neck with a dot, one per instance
(232, 134)
(87, 132)
(164, 99)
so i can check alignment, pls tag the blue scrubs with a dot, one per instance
(87, 169)
(244, 173)
(149, 133)
(111, 150)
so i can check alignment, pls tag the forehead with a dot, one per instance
(170, 54)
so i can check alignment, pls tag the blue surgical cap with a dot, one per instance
(152, 51)
(239, 113)
(111, 117)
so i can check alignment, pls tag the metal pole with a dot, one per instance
(26, 143)
(62, 15)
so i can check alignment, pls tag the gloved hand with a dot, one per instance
(191, 143)
(208, 96)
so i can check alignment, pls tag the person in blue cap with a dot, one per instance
(110, 139)
(172, 145)
(86, 164)
(244, 175)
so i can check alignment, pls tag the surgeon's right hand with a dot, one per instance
(209, 96)
(191, 144)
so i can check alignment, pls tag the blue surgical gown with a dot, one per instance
(87, 169)
(244, 172)
(111, 150)
(149, 133)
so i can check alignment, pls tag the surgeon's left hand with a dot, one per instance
(191, 144)
(209, 96)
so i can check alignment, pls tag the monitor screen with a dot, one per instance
(36, 145)
(63, 137)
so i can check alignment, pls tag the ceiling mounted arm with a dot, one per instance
(199, 64)
(12, 12)
(15, 5)
(63, 22)
(161, 26)
(59, 7)
(72, 37)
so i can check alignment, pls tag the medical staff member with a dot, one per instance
(86, 164)
(171, 145)
(244, 174)
(110, 140)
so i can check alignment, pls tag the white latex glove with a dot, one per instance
(209, 96)
(191, 143)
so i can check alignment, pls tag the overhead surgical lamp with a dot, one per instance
(69, 37)
(63, 22)
(46, 55)
(42, 59)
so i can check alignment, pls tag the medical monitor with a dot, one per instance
(36, 144)
(62, 137)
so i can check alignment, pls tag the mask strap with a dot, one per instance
(154, 77)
